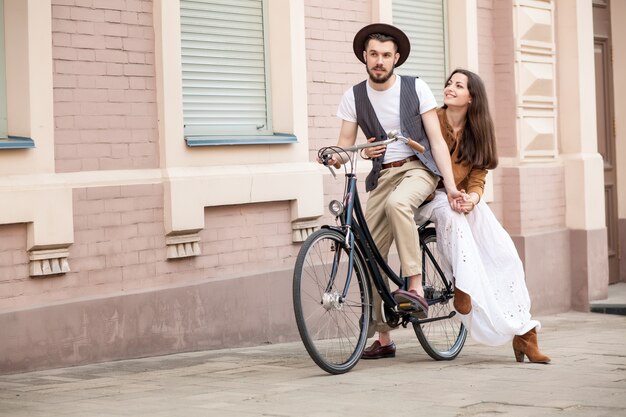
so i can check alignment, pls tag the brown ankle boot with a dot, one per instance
(526, 344)
(462, 302)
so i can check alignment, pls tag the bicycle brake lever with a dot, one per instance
(325, 159)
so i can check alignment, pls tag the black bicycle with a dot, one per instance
(332, 279)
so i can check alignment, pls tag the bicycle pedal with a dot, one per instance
(406, 306)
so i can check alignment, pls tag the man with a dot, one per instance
(401, 179)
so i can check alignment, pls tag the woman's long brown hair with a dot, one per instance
(477, 147)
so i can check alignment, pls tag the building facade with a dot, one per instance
(157, 171)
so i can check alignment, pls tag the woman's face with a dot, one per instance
(456, 93)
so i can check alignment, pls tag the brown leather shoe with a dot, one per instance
(410, 299)
(376, 351)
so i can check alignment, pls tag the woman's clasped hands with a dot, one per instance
(463, 204)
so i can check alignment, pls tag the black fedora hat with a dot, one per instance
(402, 41)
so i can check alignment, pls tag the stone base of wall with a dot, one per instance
(590, 267)
(546, 259)
(565, 269)
(237, 312)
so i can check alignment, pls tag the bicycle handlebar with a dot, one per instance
(392, 136)
(412, 144)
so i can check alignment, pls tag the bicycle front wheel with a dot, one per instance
(444, 337)
(333, 329)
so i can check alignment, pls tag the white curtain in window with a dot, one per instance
(423, 22)
(224, 67)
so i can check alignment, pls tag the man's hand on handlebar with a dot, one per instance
(330, 160)
(375, 151)
(335, 156)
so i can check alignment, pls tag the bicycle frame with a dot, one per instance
(358, 236)
(357, 232)
(333, 314)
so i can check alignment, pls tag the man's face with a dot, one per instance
(380, 59)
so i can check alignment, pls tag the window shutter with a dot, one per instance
(423, 22)
(224, 70)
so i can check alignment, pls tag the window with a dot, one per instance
(225, 73)
(15, 38)
(423, 22)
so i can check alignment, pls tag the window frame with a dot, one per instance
(265, 136)
(29, 72)
(7, 141)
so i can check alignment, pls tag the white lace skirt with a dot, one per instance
(481, 256)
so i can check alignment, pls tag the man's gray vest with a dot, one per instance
(410, 122)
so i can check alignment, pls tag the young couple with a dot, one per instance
(490, 292)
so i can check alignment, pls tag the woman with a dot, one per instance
(490, 291)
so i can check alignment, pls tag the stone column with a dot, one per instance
(584, 174)
(533, 178)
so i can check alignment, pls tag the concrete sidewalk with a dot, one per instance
(587, 378)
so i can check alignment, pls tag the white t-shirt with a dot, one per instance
(387, 107)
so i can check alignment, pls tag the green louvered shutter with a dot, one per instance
(423, 22)
(225, 76)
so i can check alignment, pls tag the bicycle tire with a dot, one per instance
(334, 333)
(442, 339)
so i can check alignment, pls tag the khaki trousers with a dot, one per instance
(390, 216)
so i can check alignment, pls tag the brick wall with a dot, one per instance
(485, 50)
(535, 199)
(542, 192)
(119, 238)
(104, 85)
(120, 248)
(487, 71)
(247, 239)
(331, 65)
(13, 263)
(496, 68)
(504, 71)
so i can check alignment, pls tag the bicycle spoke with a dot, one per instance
(442, 339)
(331, 327)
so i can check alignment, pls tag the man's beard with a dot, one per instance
(379, 79)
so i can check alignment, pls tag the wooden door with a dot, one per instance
(606, 126)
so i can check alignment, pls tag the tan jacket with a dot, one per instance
(466, 177)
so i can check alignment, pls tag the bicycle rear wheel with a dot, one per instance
(333, 330)
(442, 339)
